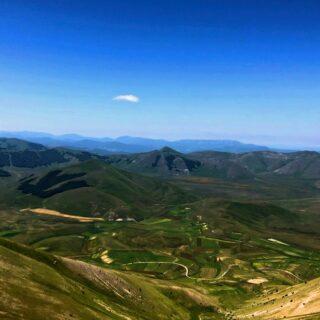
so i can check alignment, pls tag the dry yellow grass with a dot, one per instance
(295, 302)
(105, 258)
(61, 215)
(257, 280)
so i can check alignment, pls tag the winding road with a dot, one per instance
(185, 268)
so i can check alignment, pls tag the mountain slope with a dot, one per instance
(15, 145)
(94, 188)
(297, 302)
(164, 162)
(16, 153)
(56, 288)
(169, 162)
(4, 173)
(303, 165)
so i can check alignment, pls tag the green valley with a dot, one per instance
(171, 247)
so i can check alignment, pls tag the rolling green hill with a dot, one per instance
(15, 153)
(201, 262)
(164, 162)
(304, 165)
(43, 286)
(159, 235)
(94, 188)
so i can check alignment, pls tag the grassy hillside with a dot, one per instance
(16, 145)
(15, 153)
(164, 162)
(200, 263)
(304, 165)
(105, 243)
(297, 302)
(94, 188)
(55, 288)
(207, 259)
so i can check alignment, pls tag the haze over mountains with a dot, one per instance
(167, 162)
(127, 144)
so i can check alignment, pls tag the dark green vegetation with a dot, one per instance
(205, 244)
(4, 173)
(305, 165)
(94, 188)
(164, 162)
(16, 153)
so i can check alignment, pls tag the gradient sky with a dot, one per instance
(242, 69)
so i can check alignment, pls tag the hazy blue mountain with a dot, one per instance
(151, 143)
(127, 144)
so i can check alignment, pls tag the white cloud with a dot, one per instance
(128, 98)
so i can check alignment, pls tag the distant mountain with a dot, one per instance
(128, 144)
(304, 165)
(17, 145)
(164, 162)
(186, 146)
(168, 162)
(15, 153)
(76, 182)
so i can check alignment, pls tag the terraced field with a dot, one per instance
(60, 288)
(194, 257)
(183, 250)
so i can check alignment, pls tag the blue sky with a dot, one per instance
(242, 69)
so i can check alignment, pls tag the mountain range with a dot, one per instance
(127, 144)
(160, 234)
(15, 153)
(223, 165)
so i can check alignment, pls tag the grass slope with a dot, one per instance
(297, 302)
(55, 288)
(94, 188)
